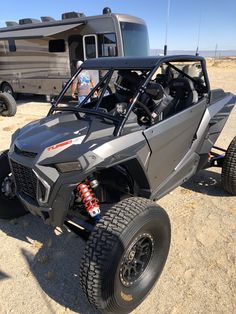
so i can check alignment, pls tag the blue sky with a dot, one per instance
(218, 18)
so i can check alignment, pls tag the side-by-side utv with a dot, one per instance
(97, 167)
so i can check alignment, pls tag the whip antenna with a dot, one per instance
(167, 26)
(199, 33)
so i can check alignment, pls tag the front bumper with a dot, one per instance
(54, 215)
(34, 186)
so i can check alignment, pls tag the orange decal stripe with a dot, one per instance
(59, 145)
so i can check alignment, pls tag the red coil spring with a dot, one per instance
(88, 197)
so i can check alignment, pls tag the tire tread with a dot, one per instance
(104, 237)
(228, 176)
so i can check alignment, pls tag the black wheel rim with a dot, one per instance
(136, 259)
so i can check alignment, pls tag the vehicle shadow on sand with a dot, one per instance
(3, 275)
(28, 98)
(56, 263)
(206, 182)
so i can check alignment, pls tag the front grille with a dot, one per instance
(26, 181)
(18, 151)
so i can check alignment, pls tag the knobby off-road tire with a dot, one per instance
(228, 176)
(10, 104)
(125, 255)
(10, 207)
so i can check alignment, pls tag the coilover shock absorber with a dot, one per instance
(88, 198)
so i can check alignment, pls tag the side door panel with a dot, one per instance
(170, 140)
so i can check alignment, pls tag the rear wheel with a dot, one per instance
(228, 176)
(10, 206)
(125, 255)
(7, 105)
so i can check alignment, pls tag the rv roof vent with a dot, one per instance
(71, 15)
(47, 19)
(106, 10)
(28, 21)
(11, 23)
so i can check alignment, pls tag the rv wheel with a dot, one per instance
(10, 206)
(228, 176)
(7, 105)
(125, 255)
(6, 88)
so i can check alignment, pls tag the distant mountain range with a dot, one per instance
(204, 53)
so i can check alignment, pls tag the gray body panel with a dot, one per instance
(170, 140)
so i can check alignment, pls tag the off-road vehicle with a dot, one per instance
(97, 167)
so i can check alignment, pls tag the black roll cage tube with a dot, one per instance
(78, 108)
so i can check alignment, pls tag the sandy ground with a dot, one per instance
(39, 266)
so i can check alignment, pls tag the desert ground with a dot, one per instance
(39, 266)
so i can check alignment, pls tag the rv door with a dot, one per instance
(90, 46)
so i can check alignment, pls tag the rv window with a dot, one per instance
(90, 47)
(12, 45)
(105, 41)
(57, 45)
(135, 39)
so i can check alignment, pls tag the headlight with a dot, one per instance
(68, 166)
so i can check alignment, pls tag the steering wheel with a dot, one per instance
(148, 113)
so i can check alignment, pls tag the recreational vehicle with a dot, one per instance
(38, 57)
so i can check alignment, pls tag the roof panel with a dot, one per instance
(135, 62)
(121, 62)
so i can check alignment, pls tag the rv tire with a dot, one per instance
(6, 88)
(9, 104)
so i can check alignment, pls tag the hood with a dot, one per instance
(64, 133)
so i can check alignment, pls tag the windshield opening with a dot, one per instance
(115, 92)
(111, 98)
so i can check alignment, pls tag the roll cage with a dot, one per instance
(147, 65)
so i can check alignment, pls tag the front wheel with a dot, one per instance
(125, 255)
(228, 176)
(10, 206)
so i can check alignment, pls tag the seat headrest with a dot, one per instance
(181, 88)
(162, 79)
(127, 82)
(155, 90)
